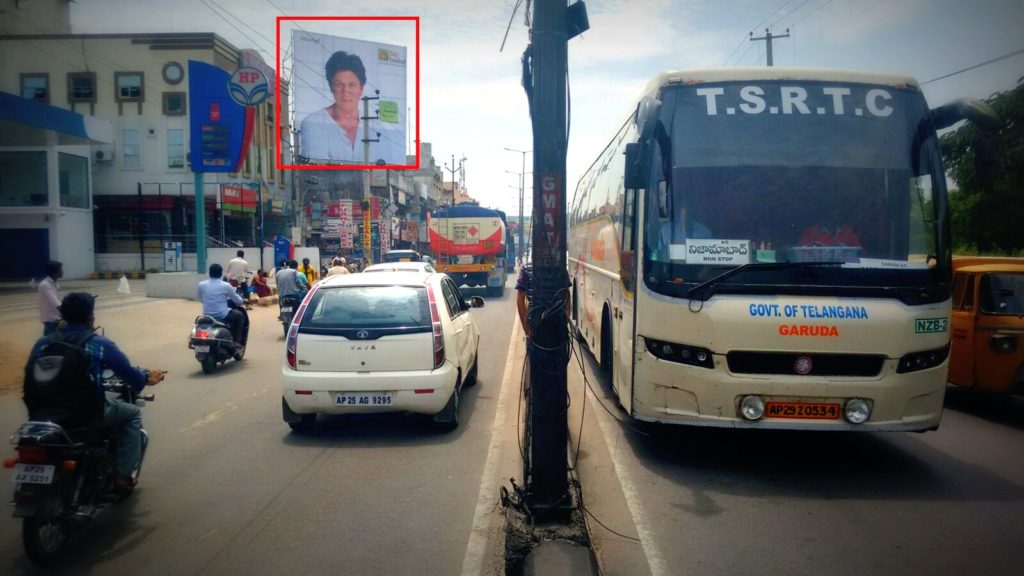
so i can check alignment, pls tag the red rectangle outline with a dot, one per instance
(839, 409)
(277, 100)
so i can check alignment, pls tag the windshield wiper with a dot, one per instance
(706, 289)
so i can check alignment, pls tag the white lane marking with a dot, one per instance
(614, 440)
(473, 562)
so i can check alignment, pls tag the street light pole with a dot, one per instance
(522, 187)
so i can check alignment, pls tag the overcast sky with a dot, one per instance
(472, 104)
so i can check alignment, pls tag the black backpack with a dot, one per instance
(59, 384)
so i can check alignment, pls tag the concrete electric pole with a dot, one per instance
(768, 40)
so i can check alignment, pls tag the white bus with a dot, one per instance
(770, 248)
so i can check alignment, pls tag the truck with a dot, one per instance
(470, 244)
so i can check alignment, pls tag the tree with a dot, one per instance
(988, 219)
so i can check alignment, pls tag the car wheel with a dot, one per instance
(209, 364)
(448, 418)
(305, 425)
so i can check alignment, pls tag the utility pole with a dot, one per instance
(547, 486)
(522, 188)
(452, 170)
(768, 40)
(366, 161)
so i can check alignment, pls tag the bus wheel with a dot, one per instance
(606, 343)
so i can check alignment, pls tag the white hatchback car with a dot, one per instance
(383, 342)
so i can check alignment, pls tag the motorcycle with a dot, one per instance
(289, 306)
(65, 477)
(243, 287)
(213, 342)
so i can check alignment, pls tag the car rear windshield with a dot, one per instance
(368, 307)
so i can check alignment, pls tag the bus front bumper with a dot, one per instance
(689, 395)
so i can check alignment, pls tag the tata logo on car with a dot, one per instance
(362, 334)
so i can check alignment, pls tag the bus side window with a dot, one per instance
(959, 283)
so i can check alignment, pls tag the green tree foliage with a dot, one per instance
(989, 220)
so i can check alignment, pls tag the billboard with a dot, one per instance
(330, 77)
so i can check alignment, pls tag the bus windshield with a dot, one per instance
(779, 172)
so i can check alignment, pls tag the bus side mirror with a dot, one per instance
(634, 173)
(985, 163)
(974, 111)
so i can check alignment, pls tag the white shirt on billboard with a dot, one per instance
(320, 138)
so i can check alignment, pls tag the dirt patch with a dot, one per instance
(12, 358)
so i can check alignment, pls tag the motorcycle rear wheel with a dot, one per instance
(209, 364)
(45, 534)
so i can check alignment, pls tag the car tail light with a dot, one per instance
(31, 454)
(435, 320)
(292, 343)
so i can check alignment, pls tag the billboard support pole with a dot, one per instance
(200, 218)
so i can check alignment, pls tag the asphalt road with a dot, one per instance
(228, 489)
(708, 501)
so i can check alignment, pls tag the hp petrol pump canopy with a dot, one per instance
(328, 109)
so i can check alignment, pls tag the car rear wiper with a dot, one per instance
(706, 289)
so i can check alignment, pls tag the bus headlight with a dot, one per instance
(681, 353)
(752, 407)
(922, 360)
(857, 411)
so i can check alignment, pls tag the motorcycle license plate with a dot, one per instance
(363, 399)
(205, 348)
(286, 309)
(33, 473)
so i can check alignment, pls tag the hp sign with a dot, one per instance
(248, 86)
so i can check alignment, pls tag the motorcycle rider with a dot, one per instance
(215, 294)
(238, 271)
(77, 312)
(290, 283)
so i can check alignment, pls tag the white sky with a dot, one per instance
(472, 103)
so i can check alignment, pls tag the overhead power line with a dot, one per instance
(811, 13)
(978, 65)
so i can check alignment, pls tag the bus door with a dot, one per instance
(624, 310)
(961, 356)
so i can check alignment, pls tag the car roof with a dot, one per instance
(407, 277)
(397, 265)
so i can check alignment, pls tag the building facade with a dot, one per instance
(142, 187)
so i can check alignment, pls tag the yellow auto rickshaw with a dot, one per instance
(988, 324)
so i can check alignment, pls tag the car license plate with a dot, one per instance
(33, 473)
(205, 348)
(286, 309)
(363, 399)
(465, 259)
(803, 410)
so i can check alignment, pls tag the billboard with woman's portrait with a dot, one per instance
(330, 77)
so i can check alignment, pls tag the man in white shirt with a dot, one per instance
(215, 294)
(238, 270)
(49, 296)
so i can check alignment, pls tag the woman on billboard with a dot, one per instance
(334, 133)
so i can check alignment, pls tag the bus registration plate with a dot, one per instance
(803, 410)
